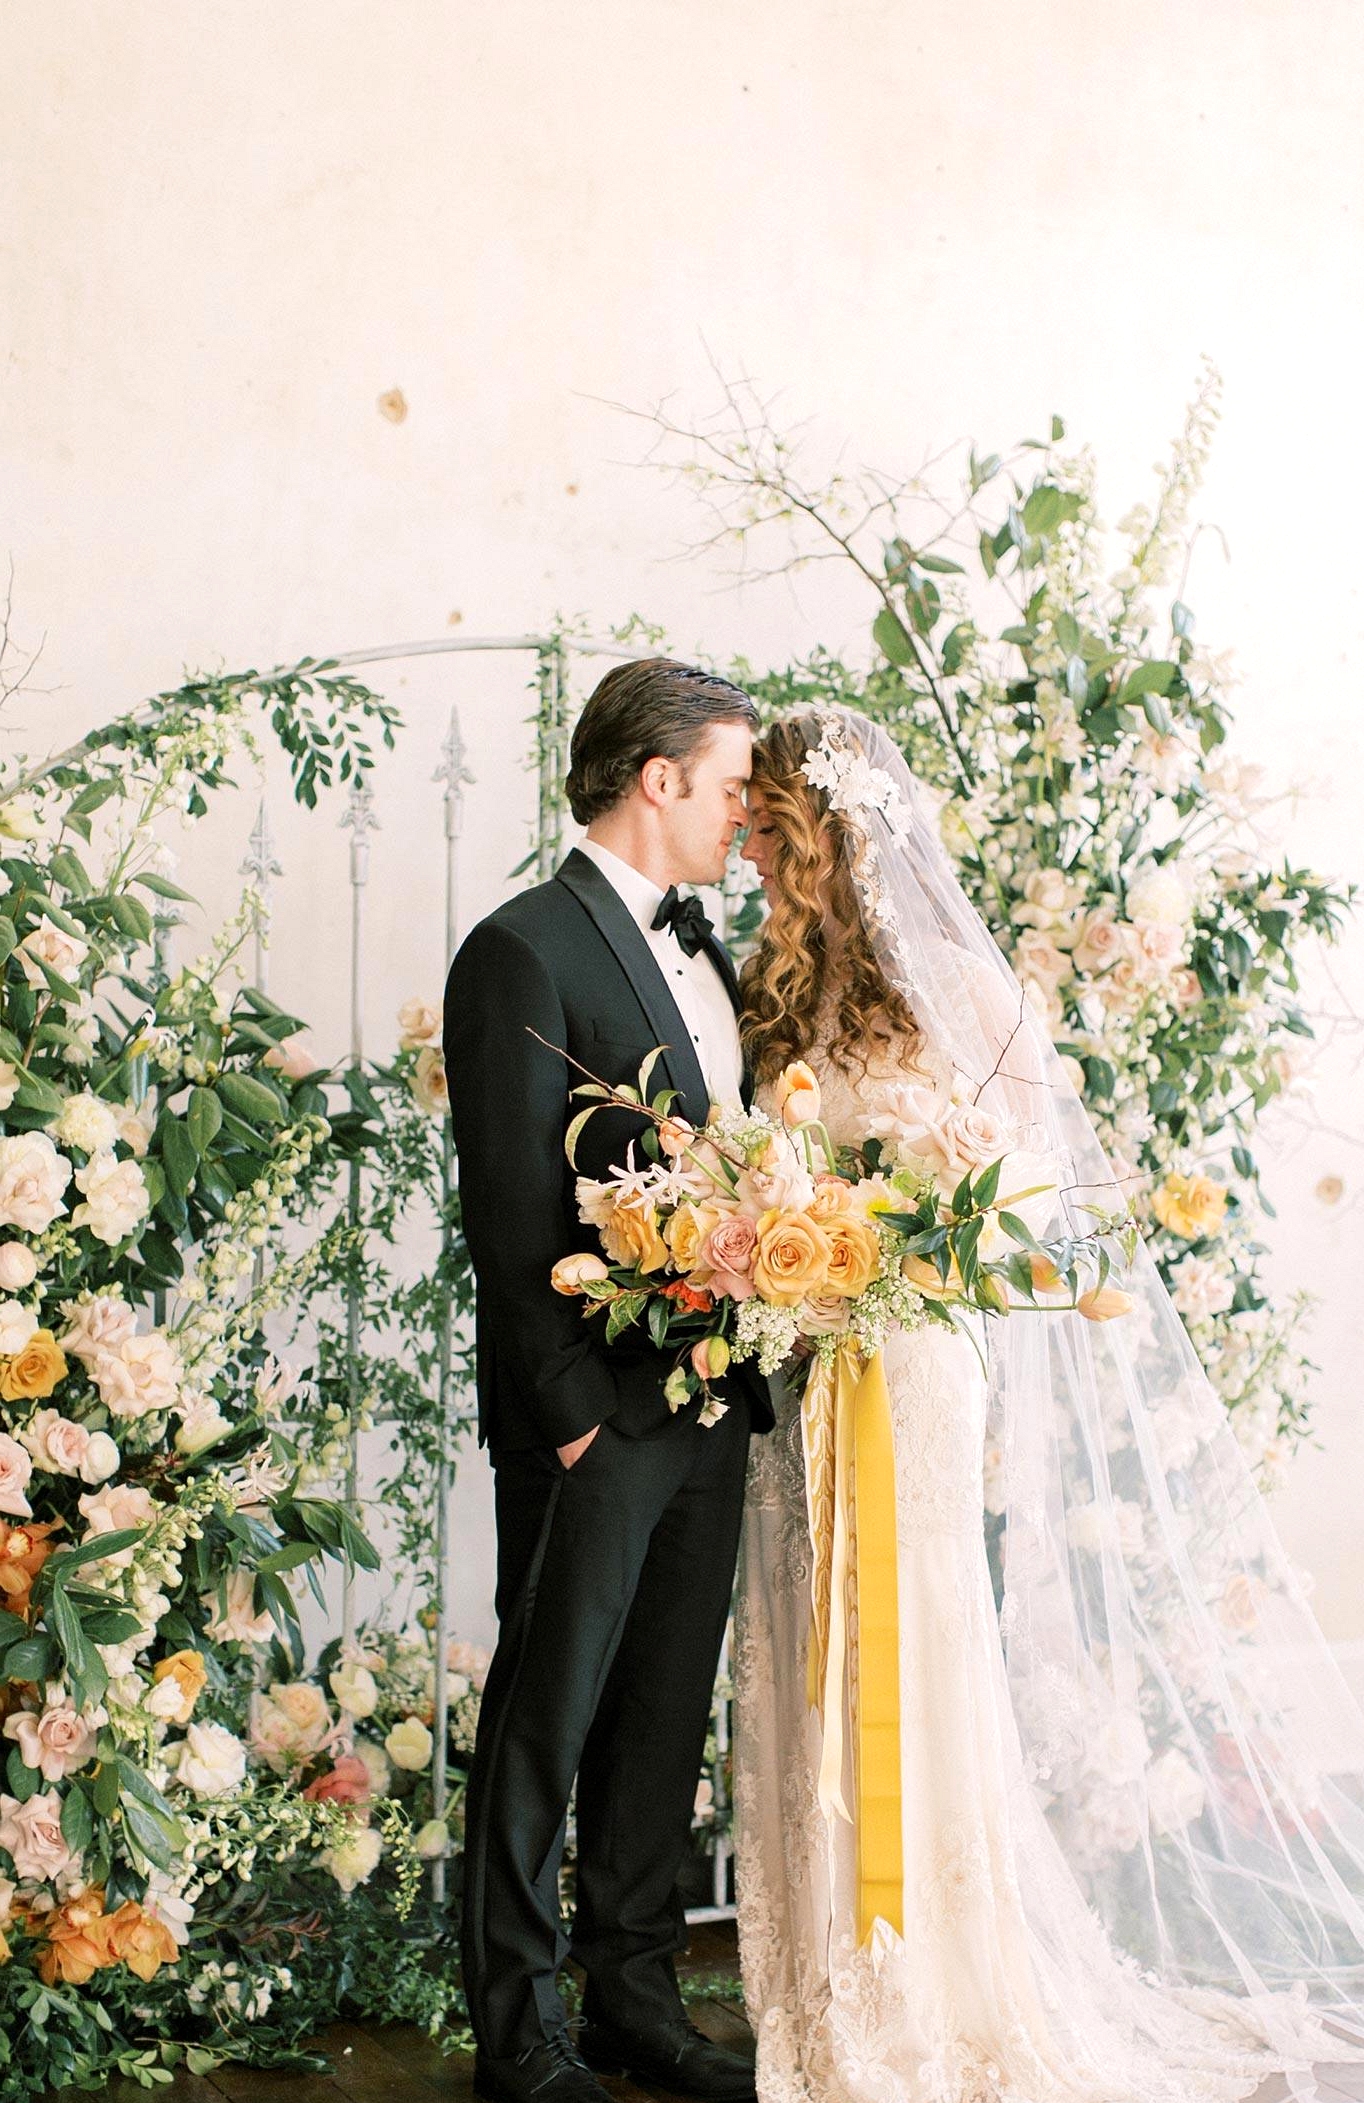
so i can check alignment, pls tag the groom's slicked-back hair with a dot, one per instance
(654, 708)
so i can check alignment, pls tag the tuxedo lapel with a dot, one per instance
(625, 938)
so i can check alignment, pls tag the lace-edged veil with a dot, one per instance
(1183, 1723)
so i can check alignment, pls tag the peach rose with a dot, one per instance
(1238, 1609)
(1103, 940)
(58, 1445)
(854, 1257)
(56, 1741)
(110, 1510)
(823, 1314)
(792, 1257)
(237, 1621)
(187, 1672)
(831, 1200)
(429, 1084)
(99, 1324)
(348, 1782)
(293, 1057)
(675, 1135)
(33, 1372)
(418, 1023)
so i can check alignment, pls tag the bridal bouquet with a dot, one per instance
(755, 1236)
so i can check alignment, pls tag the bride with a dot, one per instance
(1128, 1859)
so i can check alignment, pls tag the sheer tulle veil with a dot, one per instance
(1183, 1724)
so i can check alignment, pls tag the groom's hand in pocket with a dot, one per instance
(575, 1449)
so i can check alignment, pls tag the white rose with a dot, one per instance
(433, 1840)
(1201, 1289)
(51, 945)
(18, 1266)
(17, 1326)
(9, 1083)
(16, 1466)
(202, 1424)
(101, 1458)
(209, 1760)
(355, 1688)
(86, 1122)
(33, 1176)
(1160, 895)
(115, 1198)
(1102, 940)
(143, 1375)
(408, 1744)
(419, 1022)
(354, 1858)
(1174, 1792)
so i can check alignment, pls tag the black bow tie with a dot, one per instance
(687, 919)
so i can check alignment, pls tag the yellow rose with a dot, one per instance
(1190, 1205)
(686, 1231)
(631, 1236)
(34, 1371)
(831, 1200)
(188, 1670)
(795, 1095)
(792, 1257)
(571, 1273)
(1104, 1303)
(854, 1258)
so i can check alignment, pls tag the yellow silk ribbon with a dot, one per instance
(854, 1654)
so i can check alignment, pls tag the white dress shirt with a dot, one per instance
(694, 982)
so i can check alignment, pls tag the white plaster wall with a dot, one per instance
(228, 230)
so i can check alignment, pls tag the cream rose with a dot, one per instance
(209, 1760)
(429, 1083)
(46, 943)
(686, 1233)
(58, 1445)
(32, 1832)
(16, 1466)
(236, 1620)
(142, 1376)
(418, 1023)
(115, 1198)
(33, 1176)
(18, 1265)
(101, 1323)
(9, 1083)
(133, 1129)
(408, 1744)
(1036, 956)
(101, 1458)
(1161, 895)
(110, 1510)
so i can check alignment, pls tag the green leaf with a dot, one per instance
(35, 1658)
(90, 800)
(252, 1100)
(9, 935)
(288, 1557)
(658, 1319)
(940, 565)
(575, 1133)
(163, 887)
(624, 1310)
(24, 1781)
(130, 917)
(645, 1074)
(1058, 430)
(987, 1184)
(1019, 1230)
(955, 645)
(148, 1835)
(104, 1789)
(77, 1820)
(204, 1117)
(179, 1153)
(1156, 676)
(68, 1559)
(892, 638)
(68, 868)
(34, 1093)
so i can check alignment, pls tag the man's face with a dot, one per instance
(700, 826)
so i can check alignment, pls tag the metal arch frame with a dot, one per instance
(553, 654)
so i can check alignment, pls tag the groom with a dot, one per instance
(617, 1519)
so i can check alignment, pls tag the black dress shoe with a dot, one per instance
(549, 2073)
(676, 2055)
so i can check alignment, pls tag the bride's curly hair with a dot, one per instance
(786, 979)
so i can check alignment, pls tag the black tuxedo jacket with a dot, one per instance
(569, 960)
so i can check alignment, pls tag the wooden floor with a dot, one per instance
(402, 2065)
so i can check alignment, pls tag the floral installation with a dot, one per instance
(1075, 734)
(756, 1237)
(162, 1133)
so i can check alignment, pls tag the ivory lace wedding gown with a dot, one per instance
(1004, 1988)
